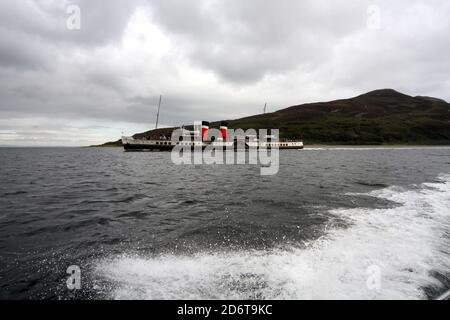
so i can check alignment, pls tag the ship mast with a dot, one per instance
(157, 115)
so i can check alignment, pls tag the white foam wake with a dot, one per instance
(404, 243)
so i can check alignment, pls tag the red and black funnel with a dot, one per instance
(224, 130)
(205, 129)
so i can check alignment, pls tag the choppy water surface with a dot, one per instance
(140, 227)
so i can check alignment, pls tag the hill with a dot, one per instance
(377, 117)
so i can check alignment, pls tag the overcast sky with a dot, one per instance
(211, 60)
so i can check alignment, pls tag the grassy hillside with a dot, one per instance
(111, 144)
(378, 117)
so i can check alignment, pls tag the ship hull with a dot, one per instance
(129, 147)
(136, 145)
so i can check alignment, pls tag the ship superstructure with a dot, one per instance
(202, 139)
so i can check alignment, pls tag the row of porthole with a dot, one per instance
(170, 143)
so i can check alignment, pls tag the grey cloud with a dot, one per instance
(102, 21)
(224, 58)
(32, 33)
(20, 50)
(242, 41)
(178, 109)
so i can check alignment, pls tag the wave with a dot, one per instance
(389, 253)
